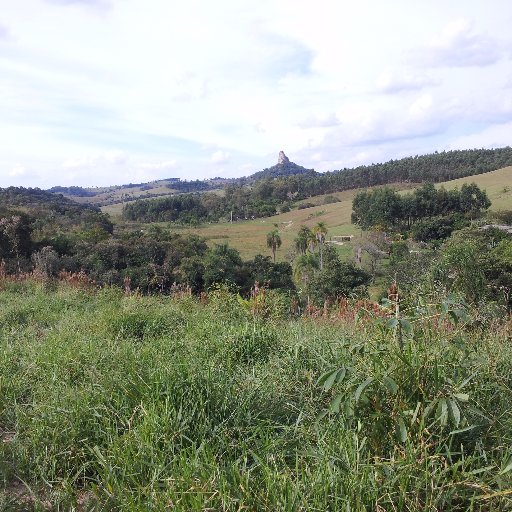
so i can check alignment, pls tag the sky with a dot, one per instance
(106, 92)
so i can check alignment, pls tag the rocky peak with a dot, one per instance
(282, 158)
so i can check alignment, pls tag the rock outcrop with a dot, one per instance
(282, 158)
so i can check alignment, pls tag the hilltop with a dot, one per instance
(283, 168)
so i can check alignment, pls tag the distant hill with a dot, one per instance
(283, 168)
(51, 212)
(33, 198)
(290, 178)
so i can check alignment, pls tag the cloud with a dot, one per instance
(459, 45)
(395, 82)
(86, 3)
(5, 33)
(320, 121)
(213, 86)
(490, 137)
(168, 165)
(220, 157)
(283, 55)
(190, 87)
(17, 170)
(114, 168)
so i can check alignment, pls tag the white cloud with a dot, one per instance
(4, 33)
(168, 165)
(220, 157)
(320, 121)
(491, 137)
(397, 82)
(17, 170)
(459, 44)
(103, 4)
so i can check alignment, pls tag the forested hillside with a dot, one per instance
(278, 193)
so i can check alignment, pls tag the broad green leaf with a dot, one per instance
(462, 397)
(428, 410)
(442, 411)
(327, 379)
(341, 374)
(461, 430)
(386, 303)
(322, 415)
(401, 430)
(335, 404)
(406, 325)
(454, 412)
(392, 323)
(362, 387)
(390, 384)
(507, 466)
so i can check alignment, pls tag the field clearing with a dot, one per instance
(249, 237)
(498, 185)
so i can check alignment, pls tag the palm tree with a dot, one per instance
(320, 231)
(304, 270)
(274, 242)
(303, 240)
(304, 267)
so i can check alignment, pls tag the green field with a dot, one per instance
(138, 403)
(498, 185)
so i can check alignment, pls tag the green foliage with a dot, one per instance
(432, 214)
(145, 403)
(304, 240)
(272, 275)
(477, 263)
(223, 264)
(378, 208)
(336, 279)
(141, 325)
(274, 242)
(437, 228)
(251, 343)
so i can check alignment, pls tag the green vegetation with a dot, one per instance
(113, 402)
(145, 369)
(274, 242)
(432, 214)
(274, 189)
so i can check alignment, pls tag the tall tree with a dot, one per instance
(304, 239)
(320, 232)
(274, 242)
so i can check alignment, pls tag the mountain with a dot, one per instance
(284, 167)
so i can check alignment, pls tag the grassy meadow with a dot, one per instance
(129, 403)
(498, 185)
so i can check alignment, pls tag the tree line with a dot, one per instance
(425, 212)
(245, 199)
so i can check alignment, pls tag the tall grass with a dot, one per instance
(150, 403)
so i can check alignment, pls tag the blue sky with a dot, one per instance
(100, 92)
